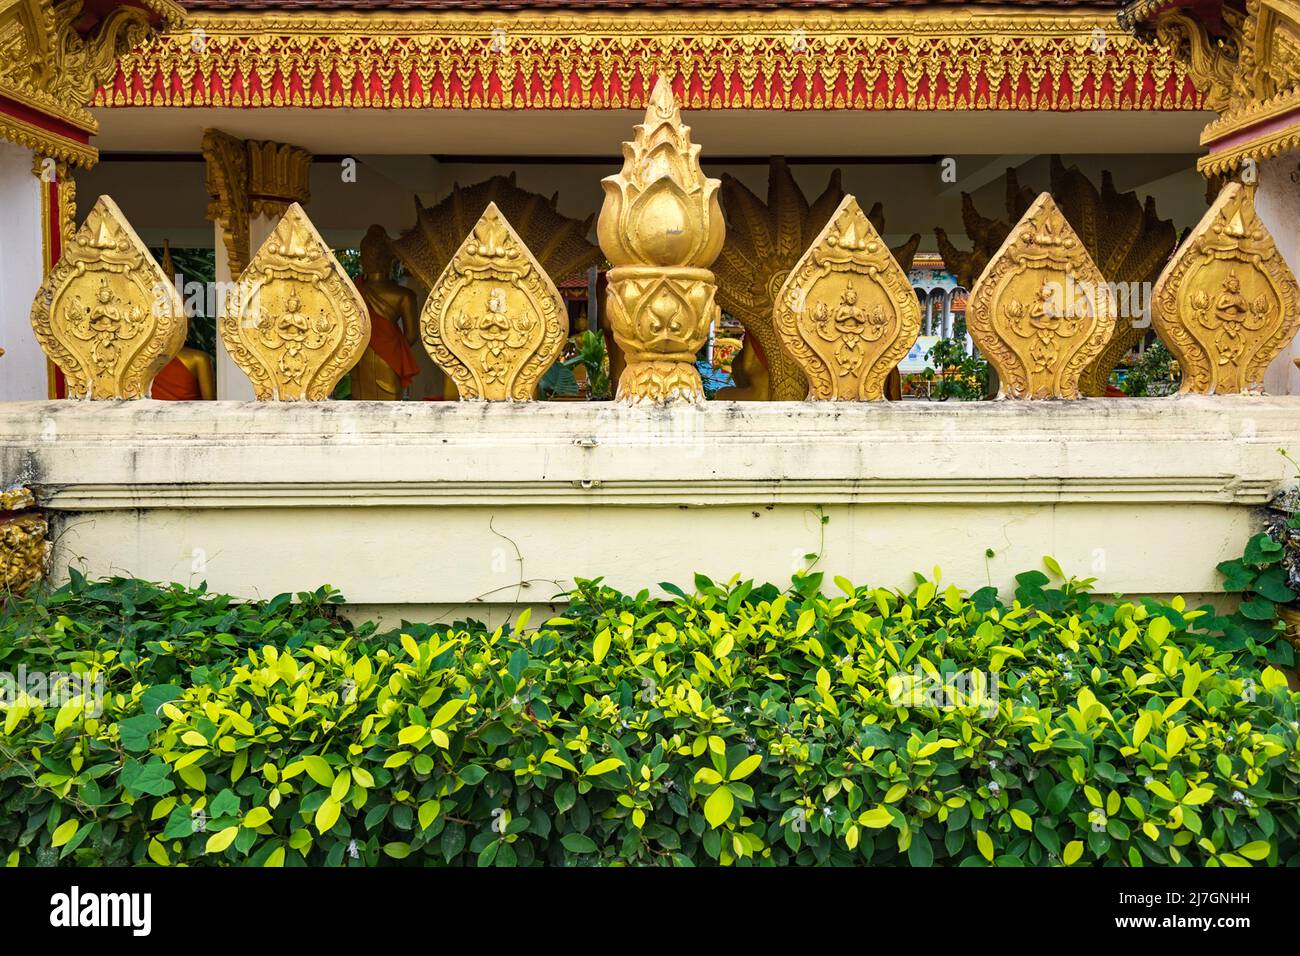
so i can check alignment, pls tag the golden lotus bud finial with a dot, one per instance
(494, 321)
(661, 227)
(661, 209)
(847, 313)
(1227, 303)
(1042, 311)
(297, 324)
(107, 314)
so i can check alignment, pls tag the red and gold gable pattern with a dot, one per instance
(903, 59)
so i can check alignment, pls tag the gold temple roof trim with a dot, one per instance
(909, 58)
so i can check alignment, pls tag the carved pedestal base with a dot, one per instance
(660, 317)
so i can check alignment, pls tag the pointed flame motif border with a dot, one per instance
(847, 313)
(494, 321)
(1227, 304)
(297, 324)
(1042, 310)
(106, 314)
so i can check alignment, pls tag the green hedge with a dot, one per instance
(735, 725)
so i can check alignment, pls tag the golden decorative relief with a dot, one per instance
(494, 321)
(40, 140)
(661, 227)
(1123, 235)
(297, 324)
(1211, 62)
(1227, 304)
(558, 242)
(986, 235)
(250, 178)
(1130, 244)
(1247, 60)
(106, 314)
(1042, 309)
(764, 241)
(23, 541)
(847, 313)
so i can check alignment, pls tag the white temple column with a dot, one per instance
(23, 370)
(1277, 200)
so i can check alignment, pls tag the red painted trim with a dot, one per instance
(44, 121)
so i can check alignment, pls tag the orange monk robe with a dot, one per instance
(388, 342)
(176, 383)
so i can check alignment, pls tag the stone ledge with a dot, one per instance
(417, 505)
(88, 456)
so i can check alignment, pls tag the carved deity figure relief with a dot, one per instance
(1041, 311)
(293, 336)
(496, 335)
(847, 313)
(494, 321)
(298, 324)
(1046, 324)
(104, 322)
(106, 314)
(1227, 303)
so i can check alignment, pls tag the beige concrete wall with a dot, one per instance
(434, 510)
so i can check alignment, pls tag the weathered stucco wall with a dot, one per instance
(424, 508)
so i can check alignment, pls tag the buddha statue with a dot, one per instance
(388, 365)
(190, 376)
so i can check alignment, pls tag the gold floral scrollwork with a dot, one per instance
(847, 313)
(106, 314)
(1042, 310)
(297, 324)
(494, 321)
(1227, 304)
(661, 227)
(23, 541)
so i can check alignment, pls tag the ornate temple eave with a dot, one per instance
(1244, 56)
(1263, 120)
(56, 53)
(965, 58)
